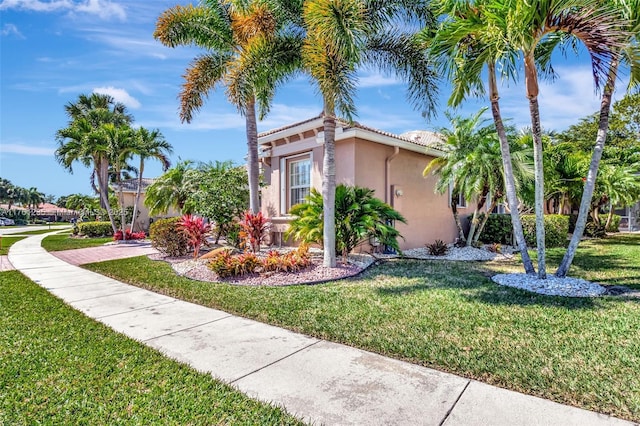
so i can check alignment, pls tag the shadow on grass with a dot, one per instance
(472, 281)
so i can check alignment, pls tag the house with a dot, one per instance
(392, 165)
(629, 217)
(129, 188)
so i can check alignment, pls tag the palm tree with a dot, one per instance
(149, 144)
(472, 167)
(121, 146)
(463, 45)
(170, 190)
(342, 36)
(34, 197)
(534, 29)
(629, 11)
(248, 50)
(97, 109)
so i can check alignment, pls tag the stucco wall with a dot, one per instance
(142, 221)
(363, 163)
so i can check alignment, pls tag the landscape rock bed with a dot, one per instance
(552, 286)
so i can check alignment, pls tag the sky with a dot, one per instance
(51, 51)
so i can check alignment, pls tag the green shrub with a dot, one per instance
(498, 229)
(595, 231)
(614, 226)
(167, 238)
(95, 229)
(556, 228)
(359, 216)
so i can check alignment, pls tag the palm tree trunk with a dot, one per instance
(590, 183)
(104, 195)
(492, 206)
(609, 217)
(509, 179)
(138, 192)
(103, 183)
(474, 220)
(123, 214)
(531, 82)
(456, 218)
(329, 188)
(252, 156)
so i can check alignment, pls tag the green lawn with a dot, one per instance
(6, 241)
(37, 232)
(614, 260)
(60, 242)
(450, 316)
(60, 367)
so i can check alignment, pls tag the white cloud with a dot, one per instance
(10, 29)
(105, 9)
(120, 95)
(377, 80)
(12, 148)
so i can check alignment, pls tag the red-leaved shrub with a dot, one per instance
(195, 230)
(254, 230)
(130, 235)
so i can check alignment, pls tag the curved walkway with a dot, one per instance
(319, 381)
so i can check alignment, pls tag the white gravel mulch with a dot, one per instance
(551, 286)
(569, 287)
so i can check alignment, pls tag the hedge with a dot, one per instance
(95, 229)
(556, 227)
(497, 229)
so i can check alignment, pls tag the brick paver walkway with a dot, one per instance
(102, 253)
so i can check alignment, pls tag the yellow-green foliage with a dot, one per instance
(167, 238)
(95, 229)
(556, 227)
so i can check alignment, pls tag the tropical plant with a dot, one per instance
(534, 30)
(342, 36)
(437, 248)
(149, 144)
(248, 49)
(616, 186)
(172, 189)
(196, 231)
(471, 166)
(167, 239)
(359, 216)
(219, 192)
(465, 42)
(226, 264)
(292, 261)
(254, 230)
(628, 25)
(34, 198)
(83, 141)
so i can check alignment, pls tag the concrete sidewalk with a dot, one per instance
(319, 381)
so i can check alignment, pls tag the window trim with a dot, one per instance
(284, 178)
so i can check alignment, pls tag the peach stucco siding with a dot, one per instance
(394, 173)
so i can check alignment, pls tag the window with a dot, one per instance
(298, 180)
(462, 203)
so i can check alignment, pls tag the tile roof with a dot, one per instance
(419, 137)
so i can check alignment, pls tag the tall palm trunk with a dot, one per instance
(329, 187)
(483, 222)
(252, 156)
(456, 217)
(138, 192)
(590, 183)
(531, 82)
(102, 172)
(509, 179)
(104, 195)
(474, 219)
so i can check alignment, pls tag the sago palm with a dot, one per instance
(359, 216)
